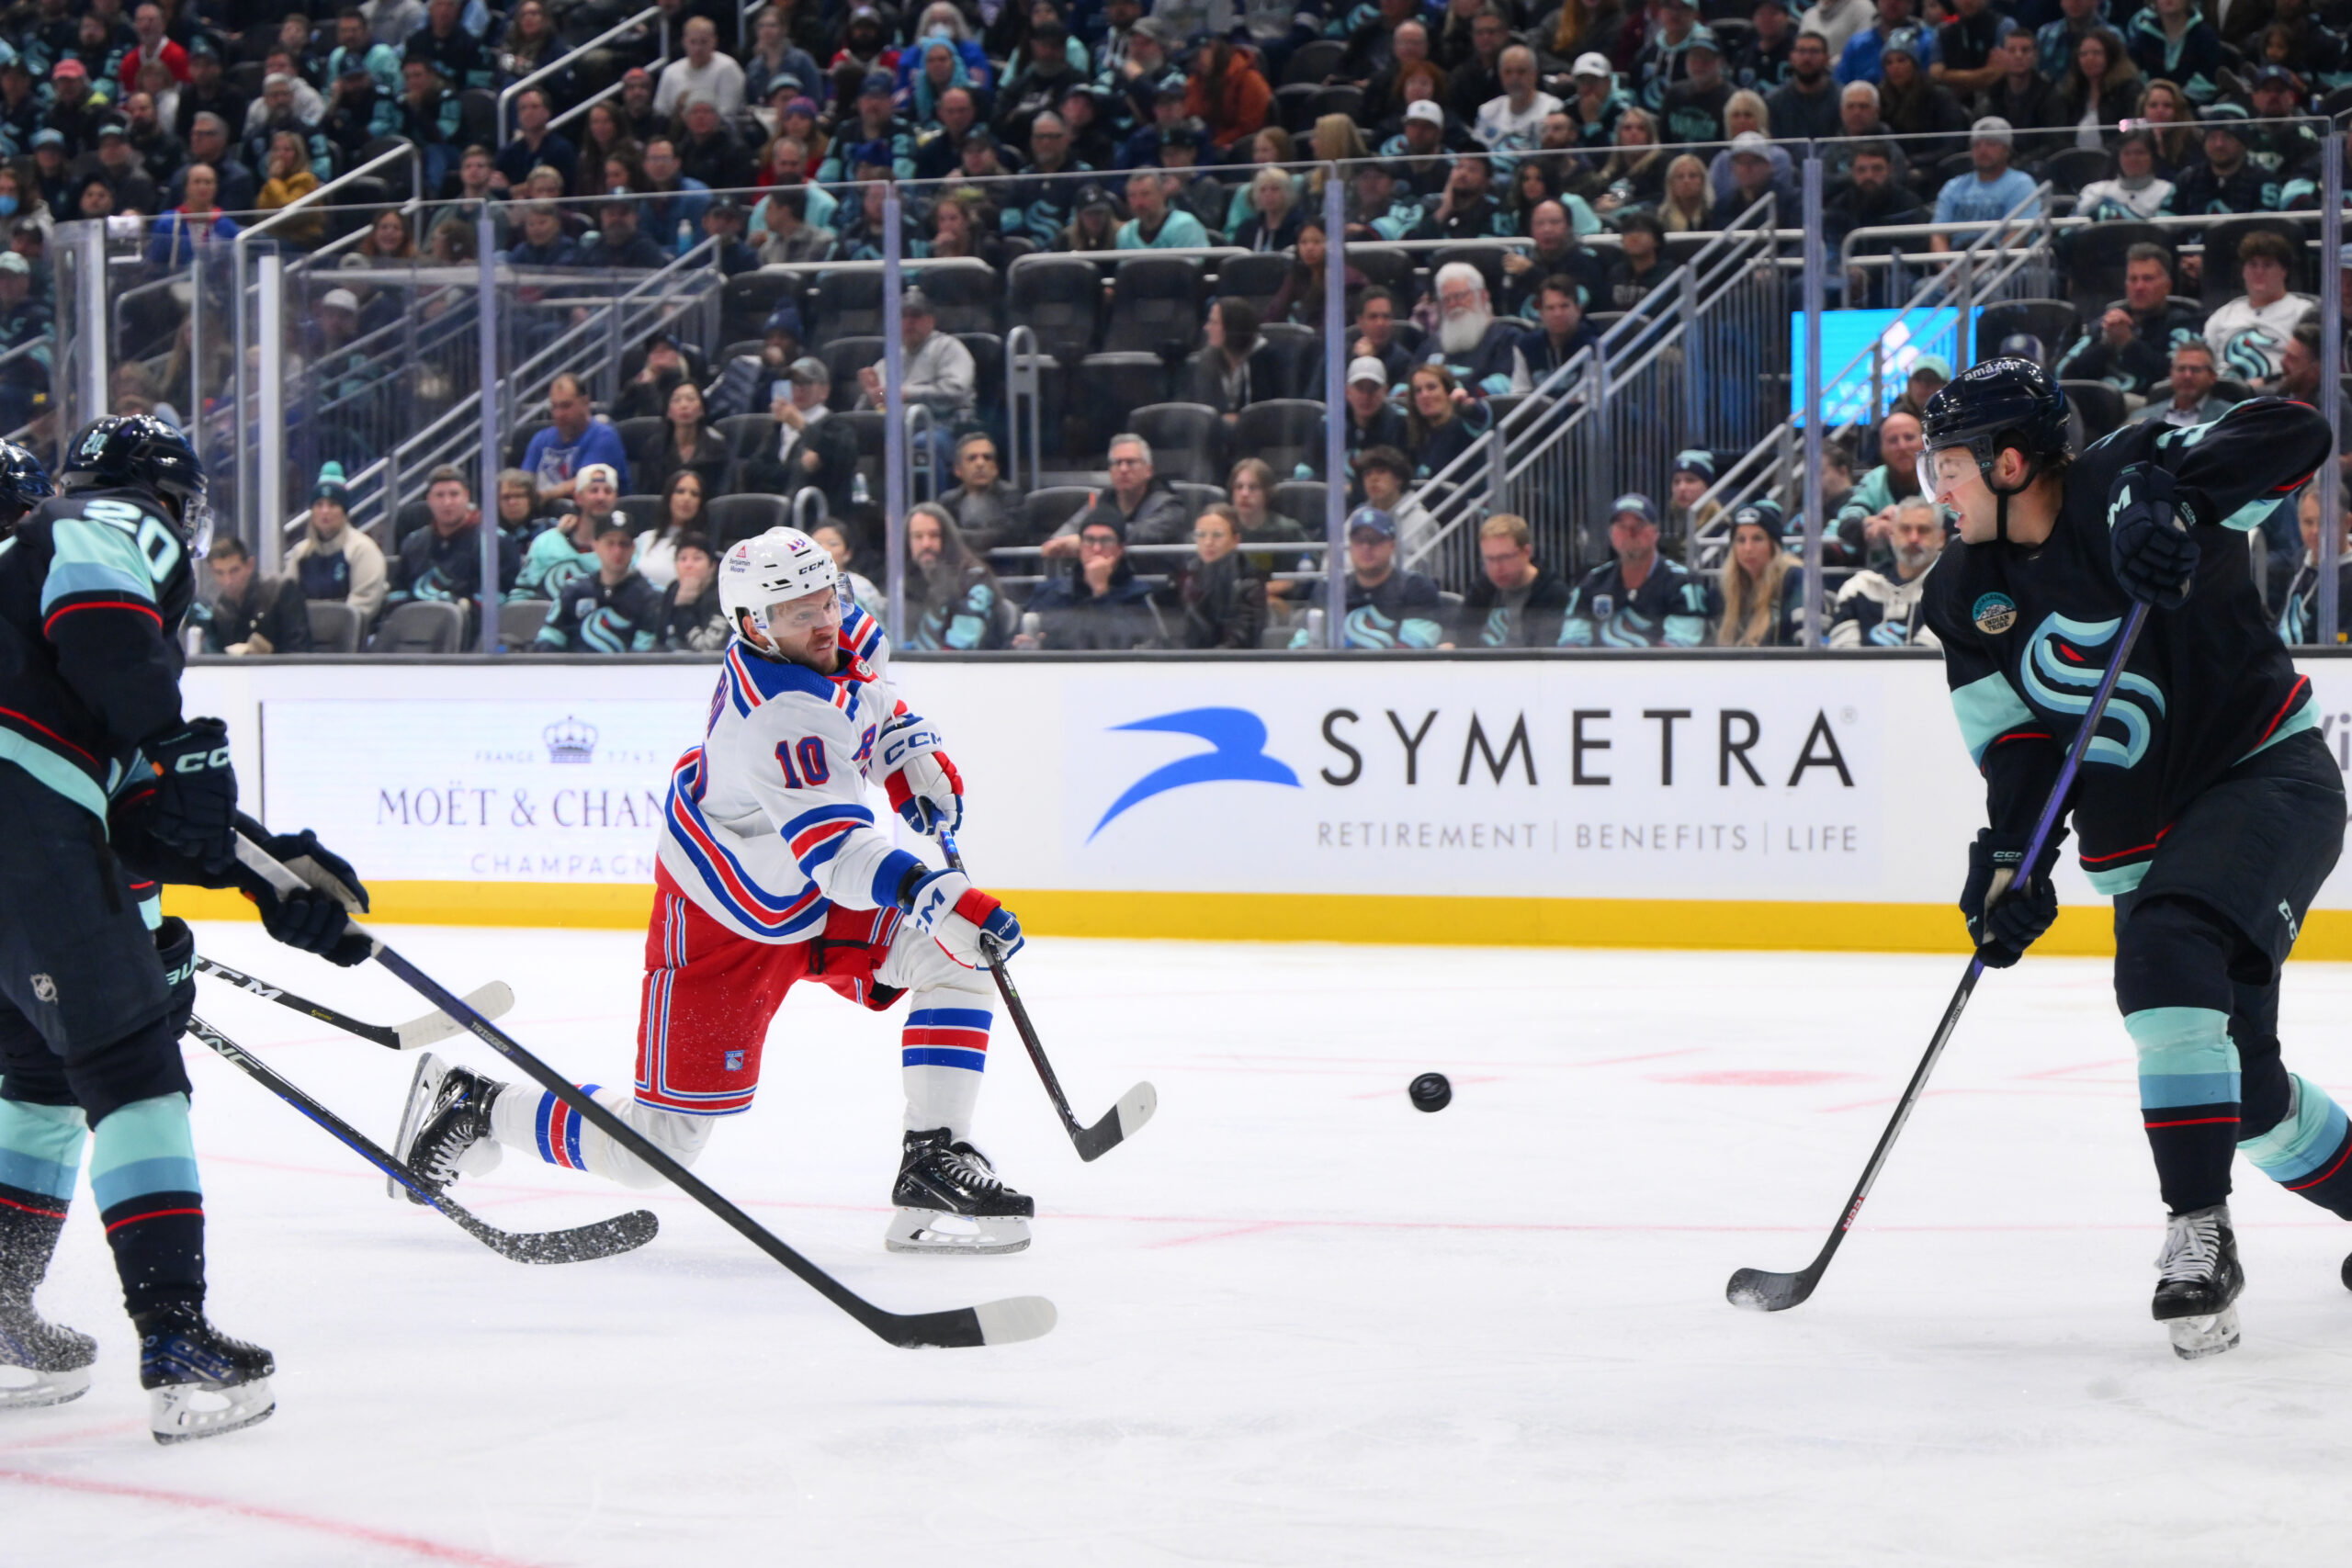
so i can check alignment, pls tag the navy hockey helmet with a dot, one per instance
(1996, 406)
(24, 483)
(127, 451)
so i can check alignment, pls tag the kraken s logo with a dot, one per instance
(2056, 659)
(2250, 353)
(1237, 754)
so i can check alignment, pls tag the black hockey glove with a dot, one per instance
(176, 951)
(315, 920)
(196, 793)
(2148, 520)
(2018, 913)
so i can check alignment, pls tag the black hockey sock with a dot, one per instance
(29, 1223)
(158, 1241)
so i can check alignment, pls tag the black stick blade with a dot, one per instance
(604, 1238)
(1006, 1322)
(1123, 1121)
(1758, 1290)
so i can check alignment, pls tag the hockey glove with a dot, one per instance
(2005, 916)
(176, 950)
(196, 793)
(924, 787)
(970, 927)
(2149, 517)
(318, 918)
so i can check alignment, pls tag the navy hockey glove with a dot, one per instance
(2149, 516)
(176, 950)
(318, 918)
(972, 928)
(2005, 918)
(196, 793)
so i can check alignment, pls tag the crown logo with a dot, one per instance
(569, 742)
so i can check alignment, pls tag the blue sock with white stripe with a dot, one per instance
(942, 1051)
(142, 1171)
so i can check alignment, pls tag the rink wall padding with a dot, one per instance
(1685, 799)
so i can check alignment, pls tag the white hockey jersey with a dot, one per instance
(2250, 345)
(766, 825)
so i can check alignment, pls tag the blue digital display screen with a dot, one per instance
(1846, 337)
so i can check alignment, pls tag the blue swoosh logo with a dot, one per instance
(1238, 741)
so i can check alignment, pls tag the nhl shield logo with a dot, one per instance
(44, 990)
(1994, 614)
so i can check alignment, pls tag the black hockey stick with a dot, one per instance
(1119, 1123)
(493, 1000)
(1759, 1290)
(992, 1323)
(622, 1232)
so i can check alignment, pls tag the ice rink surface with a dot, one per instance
(1301, 1323)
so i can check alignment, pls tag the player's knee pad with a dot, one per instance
(2188, 1061)
(2172, 952)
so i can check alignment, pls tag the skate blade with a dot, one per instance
(2194, 1338)
(46, 1389)
(422, 1088)
(945, 1235)
(182, 1413)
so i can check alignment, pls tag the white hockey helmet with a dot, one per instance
(769, 568)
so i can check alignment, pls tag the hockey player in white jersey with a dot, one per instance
(771, 870)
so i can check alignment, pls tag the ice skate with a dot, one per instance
(445, 1126)
(951, 1201)
(2198, 1282)
(55, 1359)
(199, 1383)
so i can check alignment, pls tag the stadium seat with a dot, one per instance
(2095, 259)
(1049, 508)
(1059, 298)
(2100, 405)
(1313, 63)
(1109, 387)
(421, 626)
(1197, 498)
(521, 440)
(747, 301)
(635, 432)
(1302, 501)
(845, 356)
(335, 626)
(733, 517)
(519, 621)
(1300, 349)
(1488, 261)
(987, 367)
(478, 117)
(2224, 280)
(2078, 167)
(1295, 105)
(748, 434)
(1287, 432)
(1186, 440)
(967, 293)
(844, 304)
(2054, 322)
(1386, 268)
(1340, 99)
(1155, 307)
(1257, 277)
(640, 510)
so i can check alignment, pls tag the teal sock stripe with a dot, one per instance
(144, 1148)
(2308, 1138)
(2186, 1057)
(40, 1148)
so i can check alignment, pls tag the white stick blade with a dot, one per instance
(492, 1001)
(1136, 1108)
(1014, 1319)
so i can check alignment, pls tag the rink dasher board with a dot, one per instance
(1676, 799)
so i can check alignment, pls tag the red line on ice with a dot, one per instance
(418, 1546)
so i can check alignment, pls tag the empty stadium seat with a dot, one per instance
(844, 304)
(1049, 508)
(1287, 432)
(640, 510)
(845, 356)
(748, 436)
(422, 625)
(519, 621)
(733, 517)
(335, 626)
(1154, 307)
(1058, 298)
(1257, 277)
(1187, 440)
(2100, 405)
(1197, 498)
(1302, 501)
(2054, 322)
(635, 432)
(749, 299)
(2078, 167)
(967, 293)
(1384, 267)
(1313, 63)
(1110, 387)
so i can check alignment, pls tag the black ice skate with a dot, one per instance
(445, 1126)
(57, 1359)
(2198, 1282)
(951, 1201)
(184, 1362)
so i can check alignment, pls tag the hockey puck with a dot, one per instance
(1431, 1092)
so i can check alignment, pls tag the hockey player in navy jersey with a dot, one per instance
(2207, 807)
(107, 791)
(773, 871)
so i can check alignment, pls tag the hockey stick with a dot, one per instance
(1119, 1123)
(1759, 1289)
(622, 1232)
(493, 1000)
(992, 1323)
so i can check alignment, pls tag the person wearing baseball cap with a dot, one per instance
(2226, 179)
(1387, 607)
(1991, 189)
(1639, 599)
(2286, 148)
(1373, 420)
(1693, 106)
(1598, 101)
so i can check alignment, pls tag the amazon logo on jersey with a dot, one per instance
(1236, 754)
